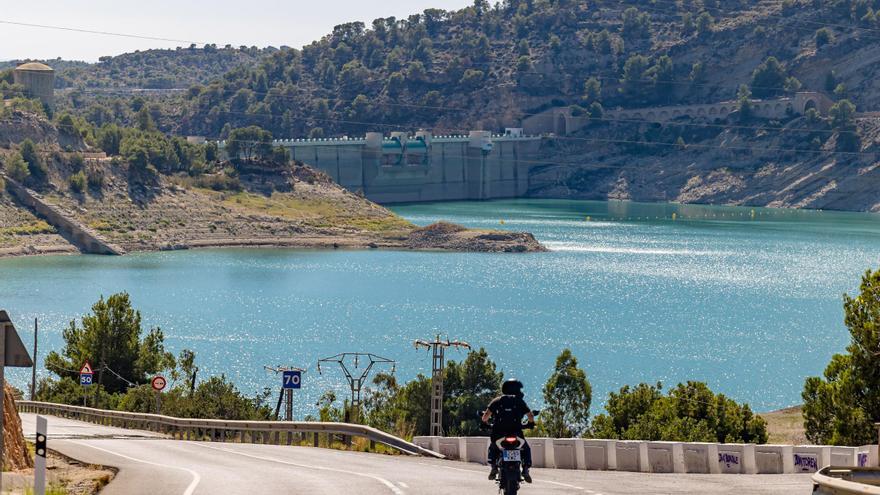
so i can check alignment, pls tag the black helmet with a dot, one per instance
(512, 387)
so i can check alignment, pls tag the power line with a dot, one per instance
(438, 348)
(356, 377)
(103, 33)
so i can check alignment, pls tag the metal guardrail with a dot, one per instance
(847, 481)
(218, 430)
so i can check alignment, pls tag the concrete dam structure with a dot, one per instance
(403, 168)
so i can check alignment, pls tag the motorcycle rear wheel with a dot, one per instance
(512, 486)
(510, 481)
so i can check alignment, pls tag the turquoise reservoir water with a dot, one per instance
(749, 302)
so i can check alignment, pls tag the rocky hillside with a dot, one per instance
(798, 165)
(16, 455)
(489, 66)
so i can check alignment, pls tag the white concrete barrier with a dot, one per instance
(666, 457)
(477, 449)
(844, 456)
(730, 459)
(867, 456)
(453, 448)
(809, 459)
(696, 458)
(568, 453)
(542, 452)
(430, 443)
(631, 456)
(771, 459)
(600, 455)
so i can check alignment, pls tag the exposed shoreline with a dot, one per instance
(499, 242)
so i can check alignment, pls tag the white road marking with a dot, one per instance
(472, 471)
(402, 484)
(391, 486)
(189, 489)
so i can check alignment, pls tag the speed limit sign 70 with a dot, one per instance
(291, 379)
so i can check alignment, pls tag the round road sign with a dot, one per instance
(158, 383)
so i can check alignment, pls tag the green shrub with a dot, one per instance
(95, 178)
(77, 182)
(17, 168)
(824, 37)
(35, 164)
(76, 161)
(688, 413)
(218, 182)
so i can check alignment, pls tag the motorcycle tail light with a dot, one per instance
(511, 440)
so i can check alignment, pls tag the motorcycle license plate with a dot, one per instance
(512, 456)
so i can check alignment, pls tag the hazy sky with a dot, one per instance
(268, 22)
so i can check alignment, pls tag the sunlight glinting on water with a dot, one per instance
(749, 303)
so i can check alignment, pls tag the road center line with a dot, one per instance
(391, 486)
(189, 489)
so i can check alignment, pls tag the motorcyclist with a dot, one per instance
(508, 411)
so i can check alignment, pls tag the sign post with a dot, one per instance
(12, 353)
(40, 458)
(158, 383)
(290, 380)
(85, 378)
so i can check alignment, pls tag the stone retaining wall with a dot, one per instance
(77, 234)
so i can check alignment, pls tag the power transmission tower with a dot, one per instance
(356, 380)
(286, 393)
(437, 363)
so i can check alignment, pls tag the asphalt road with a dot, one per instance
(151, 465)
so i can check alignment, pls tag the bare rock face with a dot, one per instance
(16, 455)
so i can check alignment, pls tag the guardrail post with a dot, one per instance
(315, 440)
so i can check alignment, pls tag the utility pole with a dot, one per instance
(438, 348)
(286, 393)
(356, 380)
(34, 368)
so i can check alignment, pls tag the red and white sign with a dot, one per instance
(158, 383)
(86, 369)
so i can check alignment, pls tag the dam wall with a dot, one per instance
(403, 168)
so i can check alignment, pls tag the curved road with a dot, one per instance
(151, 465)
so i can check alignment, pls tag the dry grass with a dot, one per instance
(786, 426)
(318, 212)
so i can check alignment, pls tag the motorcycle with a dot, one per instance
(510, 461)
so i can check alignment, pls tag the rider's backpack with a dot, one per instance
(509, 415)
